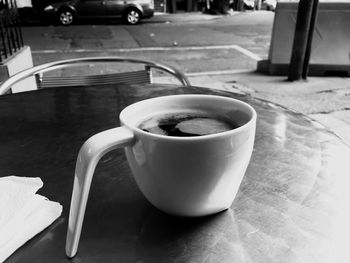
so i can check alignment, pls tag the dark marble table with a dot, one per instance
(292, 205)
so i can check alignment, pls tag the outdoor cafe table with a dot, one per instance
(291, 206)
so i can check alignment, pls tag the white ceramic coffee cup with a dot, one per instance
(184, 176)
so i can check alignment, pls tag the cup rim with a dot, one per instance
(191, 138)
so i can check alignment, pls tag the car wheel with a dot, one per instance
(132, 16)
(66, 17)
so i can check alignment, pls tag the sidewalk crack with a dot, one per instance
(328, 112)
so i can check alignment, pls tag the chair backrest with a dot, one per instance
(39, 79)
(132, 77)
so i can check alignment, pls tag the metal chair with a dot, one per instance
(36, 77)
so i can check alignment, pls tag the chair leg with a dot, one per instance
(149, 72)
(39, 80)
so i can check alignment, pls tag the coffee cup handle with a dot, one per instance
(89, 155)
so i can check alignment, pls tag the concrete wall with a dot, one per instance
(331, 39)
(21, 60)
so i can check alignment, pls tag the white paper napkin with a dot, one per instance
(23, 213)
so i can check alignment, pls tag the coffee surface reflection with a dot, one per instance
(187, 124)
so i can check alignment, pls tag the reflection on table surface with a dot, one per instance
(291, 206)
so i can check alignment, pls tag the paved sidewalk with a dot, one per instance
(324, 99)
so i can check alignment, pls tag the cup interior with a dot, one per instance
(239, 112)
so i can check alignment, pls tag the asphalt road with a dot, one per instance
(193, 42)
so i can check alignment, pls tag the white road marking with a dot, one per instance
(238, 48)
(248, 53)
(217, 72)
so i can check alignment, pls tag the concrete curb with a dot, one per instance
(182, 17)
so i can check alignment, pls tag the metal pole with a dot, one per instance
(173, 6)
(300, 39)
(3, 39)
(189, 5)
(7, 33)
(309, 42)
(258, 4)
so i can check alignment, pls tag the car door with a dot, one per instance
(115, 8)
(91, 8)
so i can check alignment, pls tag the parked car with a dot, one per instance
(131, 11)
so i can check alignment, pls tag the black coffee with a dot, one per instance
(186, 124)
